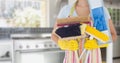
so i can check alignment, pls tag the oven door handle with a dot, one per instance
(40, 51)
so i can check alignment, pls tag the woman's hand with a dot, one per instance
(54, 37)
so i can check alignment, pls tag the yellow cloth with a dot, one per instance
(68, 44)
(92, 44)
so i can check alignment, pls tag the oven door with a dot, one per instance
(39, 57)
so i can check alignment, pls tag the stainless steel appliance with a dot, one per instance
(35, 49)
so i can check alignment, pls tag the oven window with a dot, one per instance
(40, 57)
(32, 58)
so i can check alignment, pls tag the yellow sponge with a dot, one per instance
(92, 44)
(68, 44)
(96, 34)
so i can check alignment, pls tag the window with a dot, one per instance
(23, 13)
(115, 16)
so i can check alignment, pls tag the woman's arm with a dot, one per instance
(62, 14)
(54, 37)
(112, 30)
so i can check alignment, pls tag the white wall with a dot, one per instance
(71, 1)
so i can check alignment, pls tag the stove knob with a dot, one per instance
(27, 46)
(50, 45)
(45, 45)
(20, 47)
(55, 45)
(37, 46)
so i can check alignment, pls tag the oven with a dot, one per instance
(36, 50)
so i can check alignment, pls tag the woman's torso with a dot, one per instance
(78, 11)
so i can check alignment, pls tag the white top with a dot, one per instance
(65, 11)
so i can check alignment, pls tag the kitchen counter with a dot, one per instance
(25, 30)
(5, 33)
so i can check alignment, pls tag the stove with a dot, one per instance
(36, 48)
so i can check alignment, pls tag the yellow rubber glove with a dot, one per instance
(92, 44)
(68, 44)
